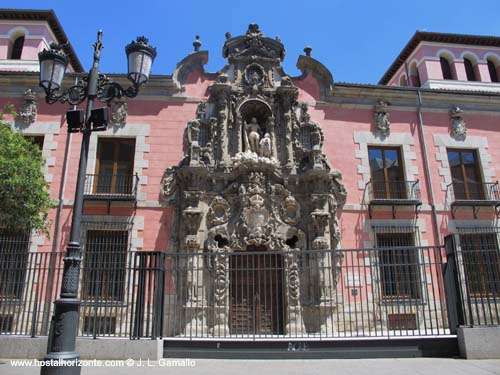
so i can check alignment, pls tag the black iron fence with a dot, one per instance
(116, 186)
(29, 285)
(317, 294)
(380, 292)
(393, 190)
(476, 258)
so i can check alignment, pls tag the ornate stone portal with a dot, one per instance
(254, 177)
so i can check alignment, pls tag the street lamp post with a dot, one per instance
(61, 349)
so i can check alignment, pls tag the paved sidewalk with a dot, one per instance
(423, 366)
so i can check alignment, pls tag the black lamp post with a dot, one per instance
(62, 337)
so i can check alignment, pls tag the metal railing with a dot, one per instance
(393, 190)
(29, 284)
(111, 186)
(477, 265)
(306, 294)
(473, 191)
(242, 295)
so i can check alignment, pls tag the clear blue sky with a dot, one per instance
(356, 40)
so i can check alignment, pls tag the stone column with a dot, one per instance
(196, 304)
(270, 128)
(321, 219)
(295, 323)
(221, 295)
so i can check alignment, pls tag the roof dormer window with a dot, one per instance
(17, 48)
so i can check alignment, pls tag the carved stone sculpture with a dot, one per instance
(255, 178)
(119, 109)
(29, 108)
(381, 115)
(458, 126)
(253, 135)
(265, 146)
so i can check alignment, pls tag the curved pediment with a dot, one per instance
(253, 44)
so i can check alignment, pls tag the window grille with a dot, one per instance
(14, 248)
(105, 260)
(6, 323)
(398, 263)
(99, 325)
(481, 260)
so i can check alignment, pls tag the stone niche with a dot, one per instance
(254, 177)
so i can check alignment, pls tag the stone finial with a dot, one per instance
(458, 126)
(228, 35)
(278, 39)
(308, 50)
(197, 43)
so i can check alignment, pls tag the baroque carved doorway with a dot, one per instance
(256, 292)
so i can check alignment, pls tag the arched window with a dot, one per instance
(493, 71)
(403, 81)
(469, 70)
(17, 48)
(445, 67)
(414, 75)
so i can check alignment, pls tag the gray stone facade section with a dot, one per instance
(47, 130)
(479, 342)
(101, 348)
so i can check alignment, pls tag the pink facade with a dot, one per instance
(347, 116)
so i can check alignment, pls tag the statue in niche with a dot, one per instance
(265, 146)
(253, 135)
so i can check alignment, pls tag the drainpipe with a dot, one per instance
(423, 145)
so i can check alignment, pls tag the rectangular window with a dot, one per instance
(465, 176)
(105, 259)
(14, 248)
(481, 259)
(387, 173)
(36, 140)
(114, 166)
(399, 266)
